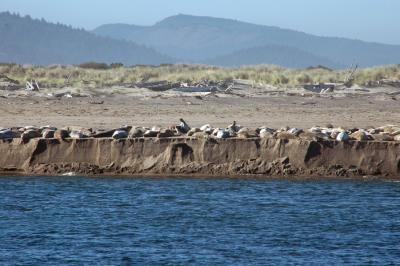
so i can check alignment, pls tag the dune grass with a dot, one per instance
(90, 74)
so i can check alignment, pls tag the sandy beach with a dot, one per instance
(273, 107)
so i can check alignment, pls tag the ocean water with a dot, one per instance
(187, 221)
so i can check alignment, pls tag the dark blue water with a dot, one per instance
(116, 221)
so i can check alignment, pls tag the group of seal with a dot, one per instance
(384, 133)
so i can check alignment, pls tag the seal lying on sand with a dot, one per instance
(8, 134)
(61, 134)
(234, 128)
(223, 134)
(30, 134)
(360, 135)
(206, 127)
(77, 134)
(152, 133)
(48, 134)
(194, 130)
(137, 132)
(165, 133)
(245, 133)
(342, 136)
(120, 134)
(316, 133)
(264, 133)
(295, 131)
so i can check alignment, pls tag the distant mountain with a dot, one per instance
(205, 39)
(26, 40)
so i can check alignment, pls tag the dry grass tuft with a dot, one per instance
(101, 75)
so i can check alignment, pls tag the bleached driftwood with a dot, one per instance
(32, 86)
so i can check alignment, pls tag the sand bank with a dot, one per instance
(207, 157)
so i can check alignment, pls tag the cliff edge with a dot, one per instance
(268, 157)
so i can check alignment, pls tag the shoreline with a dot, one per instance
(203, 177)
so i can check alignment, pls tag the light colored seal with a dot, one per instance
(23, 129)
(245, 133)
(151, 133)
(295, 131)
(223, 134)
(360, 136)
(48, 127)
(206, 127)
(48, 133)
(77, 134)
(315, 130)
(383, 137)
(194, 130)
(61, 134)
(266, 133)
(137, 132)
(120, 134)
(343, 136)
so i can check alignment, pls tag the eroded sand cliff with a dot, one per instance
(206, 157)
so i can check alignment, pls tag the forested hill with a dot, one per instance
(208, 39)
(184, 39)
(26, 40)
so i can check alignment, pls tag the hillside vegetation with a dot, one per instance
(183, 39)
(103, 75)
(31, 41)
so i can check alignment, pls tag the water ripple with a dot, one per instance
(149, 221)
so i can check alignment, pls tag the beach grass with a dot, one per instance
(103, 75)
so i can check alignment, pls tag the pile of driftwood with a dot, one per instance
(201, 86)
(320, 87)
(162, 85)
(395, 83)
(7, 83)
(32, 85)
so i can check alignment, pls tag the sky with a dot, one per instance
(369, 20)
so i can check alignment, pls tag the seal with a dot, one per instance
(206, 127)
(194, 130)
(183, 127)
(234, 127)
(165, 133)
(150, 133)
(30, 134)
(137, 132)
(120, 134)
(48, 133)
(7, 133)
(295, 131)
(266, 133)
(223, 134)
(77, 134)
(245, 133)
(61, 134)
(343, 136)
(360, 135)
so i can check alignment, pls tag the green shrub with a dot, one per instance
(94, 65)
(116, 65)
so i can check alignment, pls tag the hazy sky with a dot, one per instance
(372, 20)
